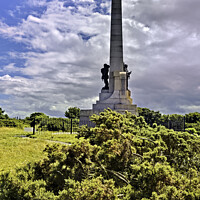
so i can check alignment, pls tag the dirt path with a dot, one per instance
(53, 141)
(59, 142)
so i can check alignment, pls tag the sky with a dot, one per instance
(51, 53)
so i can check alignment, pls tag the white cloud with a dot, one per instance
(190, 108)
(36, 2)
(11, 68)
(10, 32)
(10, 79)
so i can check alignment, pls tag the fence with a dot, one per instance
(72, 125)
(177, 124)
(56, 125)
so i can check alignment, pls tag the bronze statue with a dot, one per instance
(105, 76)
(128, 74)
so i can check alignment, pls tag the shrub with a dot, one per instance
(11, 123)
(120, 158)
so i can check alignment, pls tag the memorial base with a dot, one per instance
(118, 100)
(120, 108)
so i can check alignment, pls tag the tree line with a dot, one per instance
(189, 122)
(42, 121)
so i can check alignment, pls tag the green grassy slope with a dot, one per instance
(16, 151)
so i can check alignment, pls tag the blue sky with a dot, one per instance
(51, 53)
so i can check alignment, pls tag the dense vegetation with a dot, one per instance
(120, 158)
(42, 122)
(189, 122)
(5, 121)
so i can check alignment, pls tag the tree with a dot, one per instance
(193, 117)
(72, 113)
(37, 117)
(173, 121)
(2, 115)
(150, 116)
(1, 111)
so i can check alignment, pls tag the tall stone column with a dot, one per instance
(116, 43)
(117, 97)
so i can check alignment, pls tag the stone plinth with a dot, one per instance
(130, 108)
(119, 99)
(105, 94)
(116, 98)
(85, 114)
(84, 117)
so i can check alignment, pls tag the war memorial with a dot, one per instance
(115, 94)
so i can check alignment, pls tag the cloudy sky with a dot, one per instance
(51, 53)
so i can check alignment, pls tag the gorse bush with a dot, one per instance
(120, 158)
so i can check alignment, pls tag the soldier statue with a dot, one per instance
(128, 74)
(105, 76)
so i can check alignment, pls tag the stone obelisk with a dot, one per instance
(116, 42)
(115, 94)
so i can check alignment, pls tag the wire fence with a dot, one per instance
(72, 125)
(175, 124)
(56, 125)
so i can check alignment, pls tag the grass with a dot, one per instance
(16, 151)
(62, 137)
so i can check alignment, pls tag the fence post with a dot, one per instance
(184, 123)
(34, 126)
(63, 128)
(71, 125)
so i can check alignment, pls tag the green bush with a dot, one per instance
(191, 130)
(195, 126)
(120, 158)
(11, 123)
